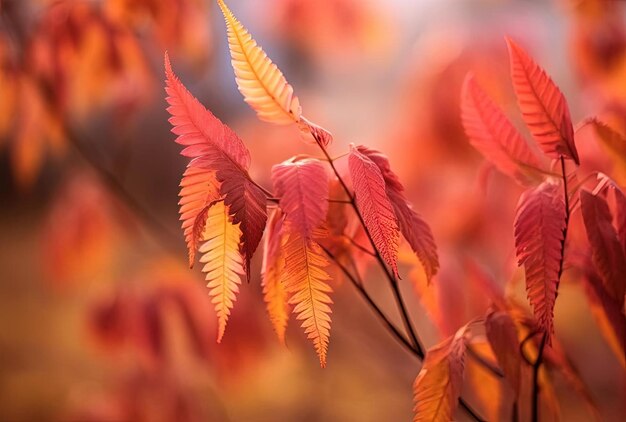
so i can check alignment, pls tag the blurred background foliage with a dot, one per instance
(99, 317)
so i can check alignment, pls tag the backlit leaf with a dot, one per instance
(223, 263)
(437, 387)
(543, 105)
(491, 133)
(261, 83)
(306, 280)
(539, 240)
(302, 189)
(375, 206)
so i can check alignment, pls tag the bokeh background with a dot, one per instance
(100, 318)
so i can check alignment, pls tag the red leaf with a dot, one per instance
(502, 336)
(414, 229)
(620, 215)
(302, 188)
(607, 253)
(539, 239)
(213, 146)
(321, 135)
(199, 188)
(543, 105)
(491, 133)
(375, 206)
(197, 128)
(608, 314)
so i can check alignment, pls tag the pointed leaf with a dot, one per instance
(539, 237)
(437, 387)
(493, 135)
(223, 262)
(607, 252)
(274, 291)
(375, 206)
(302, 189)
(608, 314)
(199, 188)
(197, 128)
(614, 141)
(543, 105)
(413, 227)
(261, 83)
(306, 280)
(502, 336)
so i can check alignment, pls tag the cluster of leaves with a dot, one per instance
(224, 213)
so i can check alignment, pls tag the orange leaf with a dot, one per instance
(198, 188)
(306, 280)
(543, 105)
(437, 387)
(274, 291)
(223, 262)
(261, 83)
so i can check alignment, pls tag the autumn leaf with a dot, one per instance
(493, 135)
(437, 387)
(274, 289)
(306, 281)
(607, 252)
(375, 207)
(413, 227)
(302, 189)
(261, 83)
(614, 141)
(540, 222)
(214, 146)
(543, 105)
(503, 338)
(608, 315)
(198, 188)
(223, 263)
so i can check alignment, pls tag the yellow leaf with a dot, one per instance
(223, 262)
(274, 291)
(261, 83)
(306, 281)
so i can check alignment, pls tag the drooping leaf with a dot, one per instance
(608, 314)
(198, 130)
(543, 105)
(274, 289)
(198, 188)
(493, 135)
(437, 387)
(246, 203)
(302, 189)
(502, 336)
(261, 83)
(319, 134)
(620, 215)
(607, 252)
(223, 263)
(374, 205)
(413, 227)
(614, 141)
(214, 146)
(306, 281)
(540, 222)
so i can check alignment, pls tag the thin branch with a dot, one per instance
(356, 245)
